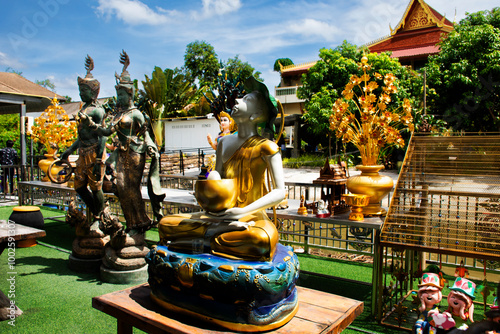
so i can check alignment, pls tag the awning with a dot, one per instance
(423, 50)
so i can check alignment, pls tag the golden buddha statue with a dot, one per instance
(244, 231)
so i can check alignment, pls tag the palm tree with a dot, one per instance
(164, 94)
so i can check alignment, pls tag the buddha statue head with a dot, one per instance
(267, 104)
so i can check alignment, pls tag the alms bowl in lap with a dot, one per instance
(216, 195)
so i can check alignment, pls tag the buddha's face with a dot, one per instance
(122, 97)
(251, 105)
(86, 93)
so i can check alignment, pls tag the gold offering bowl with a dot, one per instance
(356, 202)
(216, 195)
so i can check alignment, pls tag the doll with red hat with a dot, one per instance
(429, 294)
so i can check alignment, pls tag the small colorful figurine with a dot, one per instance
(461, 271)
(460, 304)
(429, 293)
(302, 210)
(322, 210)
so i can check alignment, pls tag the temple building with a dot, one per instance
(416, 36)
(413, 40)
(293, 107)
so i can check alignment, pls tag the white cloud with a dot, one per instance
(312, 28)
(7, 61)
(132, 12)
(216, 7)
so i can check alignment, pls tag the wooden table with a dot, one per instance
(10, 232)
(17, 232)
(319, 312)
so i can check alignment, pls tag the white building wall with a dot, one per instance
(190, 133)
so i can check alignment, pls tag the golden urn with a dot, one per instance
(373, 184)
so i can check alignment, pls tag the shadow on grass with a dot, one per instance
(54, 266)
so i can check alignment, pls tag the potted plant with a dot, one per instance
(371, 122)
(54, 130)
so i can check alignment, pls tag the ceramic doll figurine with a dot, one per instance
(429, 293)
(227, 127)
(460, 304)
(322, 210)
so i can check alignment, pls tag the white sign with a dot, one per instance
(190, 133)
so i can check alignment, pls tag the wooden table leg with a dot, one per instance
(123, 327)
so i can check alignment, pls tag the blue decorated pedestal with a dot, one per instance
(238, 295)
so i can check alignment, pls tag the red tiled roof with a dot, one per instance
(424, 50)
(296, 69)
(409, 40)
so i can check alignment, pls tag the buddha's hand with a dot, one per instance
(240, 226)
(230, 214)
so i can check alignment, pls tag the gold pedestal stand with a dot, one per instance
(356, 202)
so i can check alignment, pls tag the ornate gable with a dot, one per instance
(419, 15)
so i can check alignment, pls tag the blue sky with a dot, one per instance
(49, 39)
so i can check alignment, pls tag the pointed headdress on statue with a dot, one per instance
(123, 80)
(89, 80)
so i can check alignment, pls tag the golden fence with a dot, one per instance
(447, 198)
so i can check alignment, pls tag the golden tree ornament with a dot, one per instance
(53, 128)
(368, 121)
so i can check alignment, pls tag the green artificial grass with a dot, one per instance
(356, 271)
(53, 298)
(57, 300)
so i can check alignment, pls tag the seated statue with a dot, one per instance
(244, 231)
(242, 237)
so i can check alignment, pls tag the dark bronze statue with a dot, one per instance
(90, 145)
(90, 240)
(127, 162)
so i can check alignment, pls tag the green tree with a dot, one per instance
(282, 62)
(46, 84)
(165, 94)
(201, 63)
(11, 70)
(325, 81)
(465, 75)
(9, 129)
(235, 67)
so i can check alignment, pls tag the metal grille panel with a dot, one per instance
(447, 198)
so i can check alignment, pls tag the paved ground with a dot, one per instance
(302, 175)
(307, 175)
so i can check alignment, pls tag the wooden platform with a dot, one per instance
(319, 312)
(16, 232)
